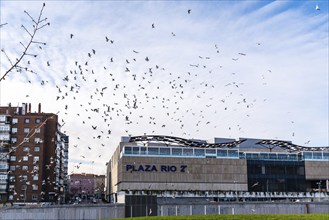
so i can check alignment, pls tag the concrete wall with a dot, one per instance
(198, 174)
(243, 208)
(64, 212)
(316, 170)
(118, 211)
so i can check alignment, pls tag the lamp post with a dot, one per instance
(236, 190)
(319, 184)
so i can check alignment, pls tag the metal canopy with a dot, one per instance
(168, 140)
(183, 142)
(289, 146)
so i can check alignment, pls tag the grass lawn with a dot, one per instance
(239, 217)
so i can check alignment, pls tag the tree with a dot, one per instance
(37, 24)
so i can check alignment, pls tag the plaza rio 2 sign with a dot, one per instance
(156, 168)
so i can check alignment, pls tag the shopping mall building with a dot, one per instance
(225, 170)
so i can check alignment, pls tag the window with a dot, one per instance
(153, 151)
(210, 151)
(34, 187)
(12, 158)
(164, 151)
(36, 158)
(37, 120)
(13, 130)
(24, 177)
(37, 140)
(25, 167)
(221, 153)
(25, 158)
(26, 120)
(12, 179)
(176, 151)
(36, 149)
(26, 140)
(135, 150)
(3, 118)
(34, 197)
(36, 168)
(11, 187)
(24, 187)
(143, 150)
(37, 130)
(128, 150)
(26, 149)
(26, 130)
(11, 197)
(188, 152)
(12, 168)
(13, 140)
(14, 121)
(35, 177)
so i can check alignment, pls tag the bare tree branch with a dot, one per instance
(40, 23)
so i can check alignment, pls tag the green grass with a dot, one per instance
(239, 217)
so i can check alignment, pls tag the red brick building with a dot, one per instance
(33, 156)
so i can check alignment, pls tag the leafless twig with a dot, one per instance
(37, 25)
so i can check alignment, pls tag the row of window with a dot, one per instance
(26, 130)
(34, 197)
(25, 158)
(221, 153)
(26, 120)
(24, 187)
(12, 179)
(36, 140)
(172, 151)
(25, 167)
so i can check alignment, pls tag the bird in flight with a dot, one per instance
(189, 11)
(71, 36)
(317, 7)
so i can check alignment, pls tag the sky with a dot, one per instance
(191, 69)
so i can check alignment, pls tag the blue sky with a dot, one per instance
(230, 69)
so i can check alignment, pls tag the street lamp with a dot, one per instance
(319, 184)
(236, 190)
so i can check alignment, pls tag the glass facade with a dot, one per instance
(221, 153)
(276, 176)
(179, 152)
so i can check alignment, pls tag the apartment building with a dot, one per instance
(34, 156)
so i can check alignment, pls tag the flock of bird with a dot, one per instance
(136, 92)
(124, 99)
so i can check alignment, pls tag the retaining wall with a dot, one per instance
(64, 212)
(111, 211)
